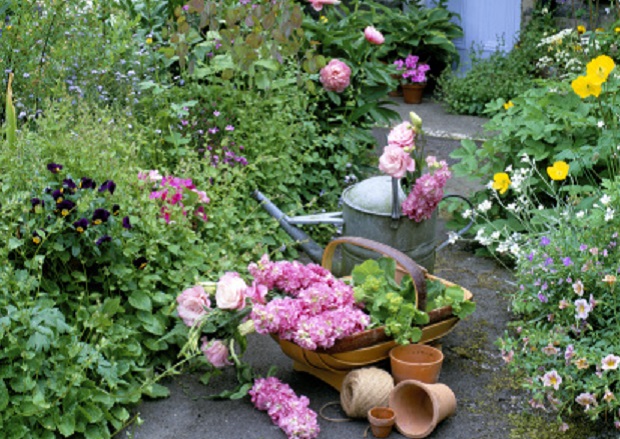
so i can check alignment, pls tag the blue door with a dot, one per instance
(488, 25)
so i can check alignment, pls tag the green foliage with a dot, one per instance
(567, 310)
(394, 305)
(11, 122)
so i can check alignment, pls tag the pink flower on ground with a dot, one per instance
(215, 352)
(230, 292)
(335, 76)
(373, 36)
(395, 161)
(552, 379)
(403, 136)
(193, 303)
(318, 4)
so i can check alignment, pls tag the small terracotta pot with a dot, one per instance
(381, 420)
(412, 93)
(419, 407)
(416, 362)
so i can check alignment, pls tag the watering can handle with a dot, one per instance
(416, 272)
(459, 233)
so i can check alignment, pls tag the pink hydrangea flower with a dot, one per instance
(216, 352)
(193, 303)
(335, 76)
(373, 36)
(318, 4)
(395, 161)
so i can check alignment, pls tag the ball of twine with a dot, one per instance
(363, 389)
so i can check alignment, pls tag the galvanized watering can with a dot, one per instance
(371, 209)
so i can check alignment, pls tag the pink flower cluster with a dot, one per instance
(335, 76)
(427, 191)
(414, 71)
(175, 191)
(396, 159)
(316, 310)
(288, 411)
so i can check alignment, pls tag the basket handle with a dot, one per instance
(416, 272)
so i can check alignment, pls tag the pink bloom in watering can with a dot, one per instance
(230, 292)
(395, 161)
(403, 136)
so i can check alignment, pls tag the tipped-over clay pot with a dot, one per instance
(419, 407)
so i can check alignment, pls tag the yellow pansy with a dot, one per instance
(558, 171)
(581, 29)
(508, 105)
(149, 40)
(600, 67)
(585, 86)
(501, 182)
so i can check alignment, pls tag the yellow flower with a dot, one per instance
(149, 40)
(581, 29)
(9, 27)
(508, 105)
(581, 363)
(599, 29)
(558, 171)
(600, 67)
(585, 86)
(323, 19)
(36, 240)
(501, 182)
(617, 29)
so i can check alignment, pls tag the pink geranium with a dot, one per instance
(318, 4)
(373, 36)
(395, 161)
(335, 76)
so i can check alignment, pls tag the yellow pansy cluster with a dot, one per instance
(597, 72)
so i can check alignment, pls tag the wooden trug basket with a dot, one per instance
(371, 346)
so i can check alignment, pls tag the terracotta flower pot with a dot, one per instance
(416, 362)
(381, 420)
(419, 407)
(412, 93)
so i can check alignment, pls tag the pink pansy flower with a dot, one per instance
(403, 136)
(586, 399)
(395, 161)
(578, 288)
(193, 303)
(318, 4)
(215, 352)
(610, 362)
(373, 36)
(230, 291)
(552, 379)
(335, 76)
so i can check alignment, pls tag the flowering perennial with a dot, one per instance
(413, 71)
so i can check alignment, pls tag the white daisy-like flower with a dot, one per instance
(609, 214)
(605, 199)
(515, 249)
(485, 206)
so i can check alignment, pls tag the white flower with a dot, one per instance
(583, 308)
(503, 247)
(610, 362)
(580, 214)
(467, 214)
(512, 207)
(484, 206)
(495, 235)
(483, 240)
(452, 237)
(601, 124)
(605, 199)
(609, 214)
(515, 249)
(525, 158)
(508, 169)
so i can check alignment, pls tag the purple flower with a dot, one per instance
(108, 185)
(530, 257)
(69, 184)
(36, 202)
(81, 225)
(126, 223)
(213, 130)
(583, 247)
(100, 216)
(65, 207)
(54, 167)
(87, 183)
(230, 128)
(544, 241)
(104, 238)
(548, 261)
(542, 298)
(567, 262)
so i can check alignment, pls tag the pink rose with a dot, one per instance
(403, 136)
(395, 161)
(335, 76)
(215, 352)
(193, 303)
(230, 292)
(318, 4)
(373, 36)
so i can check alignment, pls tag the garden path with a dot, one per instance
(488, 405)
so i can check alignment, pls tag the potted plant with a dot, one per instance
(413, 78)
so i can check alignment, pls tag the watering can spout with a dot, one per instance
(312, 249)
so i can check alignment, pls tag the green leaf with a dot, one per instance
(15, 243)
(140, 300)
(4, 396)
(156, 391)
(11, 120)
(66, 425)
